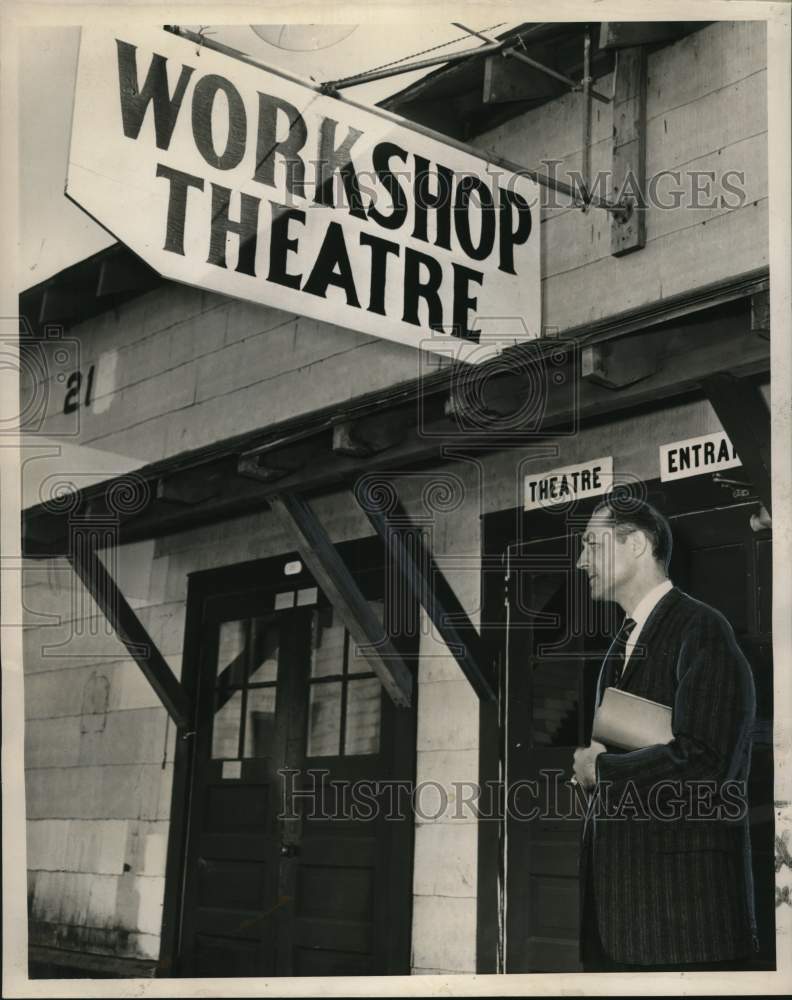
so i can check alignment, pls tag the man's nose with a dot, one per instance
(582, 562)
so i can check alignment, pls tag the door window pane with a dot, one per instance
(266, 640)
(358, 664)
(230, 652)
(259, 722)
(225, 733)
(362, 717)
(324, 720)
(327, 653)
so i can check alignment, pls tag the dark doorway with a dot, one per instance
(556, 640)
(551, 641)
(291, 864)
(719, 559)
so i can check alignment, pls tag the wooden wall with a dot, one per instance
(706, 111)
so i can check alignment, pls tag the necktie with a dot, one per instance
(614, 662)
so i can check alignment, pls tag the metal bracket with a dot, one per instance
(512, 51)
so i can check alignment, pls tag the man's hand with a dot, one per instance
(584, 763)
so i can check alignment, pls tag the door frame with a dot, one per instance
(500, 529)
(361, 556)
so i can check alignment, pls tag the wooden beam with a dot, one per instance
(628, 229)
(194, 486)
(406, 545)
(124, 272)
(478, 397)
(508, 80)
(688, 352)
(760, 314)
(59, 304)
(130, 630)
(372, 434)
(742, 410)
(305, 533)
(268, 466)
(615, 364)
(626, 34)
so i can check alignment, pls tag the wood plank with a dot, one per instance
(307, 535)
(692, 349)
(104, 590)
(510, 80)
(628, 232)
(709, 122)
(687, 359)
(708, 60)
(625, 34)
(572, 239)
(707, 133)
(733, 244)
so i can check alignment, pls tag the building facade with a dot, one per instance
(154, 843)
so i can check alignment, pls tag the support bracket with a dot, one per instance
(103, 588)
(406, 546)
(745, 416)
(615, 364)
(304, 531)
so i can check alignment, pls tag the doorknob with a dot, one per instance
(289, 850)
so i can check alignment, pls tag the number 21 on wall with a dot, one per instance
(74, 382)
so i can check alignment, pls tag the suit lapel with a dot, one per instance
(652, 627)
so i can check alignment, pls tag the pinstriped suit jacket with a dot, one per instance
(672, 879)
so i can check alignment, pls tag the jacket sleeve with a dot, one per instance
(712, 715)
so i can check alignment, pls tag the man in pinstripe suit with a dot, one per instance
(665, 865)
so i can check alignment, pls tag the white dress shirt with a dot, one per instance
(644, 608)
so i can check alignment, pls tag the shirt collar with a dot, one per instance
(647, 603)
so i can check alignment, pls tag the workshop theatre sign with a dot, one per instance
(233, 178)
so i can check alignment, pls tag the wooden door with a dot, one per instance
(556, 642)
(248, 710)
(292, 867)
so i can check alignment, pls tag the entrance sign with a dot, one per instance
(572, 482)
(697, 456)
(237, 179)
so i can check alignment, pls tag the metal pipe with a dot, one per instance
(513, 53)
(499, 161)
(381, 74)
(586, 154)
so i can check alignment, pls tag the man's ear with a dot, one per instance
(639, 543)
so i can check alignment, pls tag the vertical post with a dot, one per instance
(628, 227)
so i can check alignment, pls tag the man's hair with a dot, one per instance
(628, 514)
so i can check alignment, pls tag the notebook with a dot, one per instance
(628, 722)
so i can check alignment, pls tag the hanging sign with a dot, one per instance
(237, 179)
(697, 456)
(572, 482)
